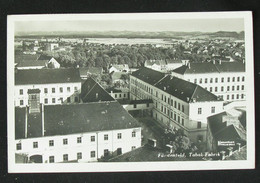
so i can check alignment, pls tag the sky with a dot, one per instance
(179, 25)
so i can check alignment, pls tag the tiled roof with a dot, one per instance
(185, 90)
(91, 91)
(221, 131)
(79, 118)
(32, 63)
(208, 67)
(46, 76)
(45, 57)
(148, 75)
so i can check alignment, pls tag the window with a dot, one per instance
(174, 116)
(79, 139)
(35, 144)
(238, 79)
(200, 80)
(106, 137)
(233, 79)
(227, 88)
(65, 141)
(75, 88)
(227, 97)
(199, 111)
(124, 95)
(182, 108)
(53, 100)
(119, 95)
(179, 106)
(200, 138)
(79, 155)
(68, 99)
(168, 100)
(238, 87)
(21, 102)
(134, 105)
(147, 105)
(211, 80)
(242, 96)
(171, 102)
(21, 91)
(237, 96)
(51, 142)
(210, 89)
(65, 157)
(68, 89)
(182, 121)
(206, 80)
(162, 108)
(18, 146)
(243, 78)
(133, 147)
(93, 154)
(179, 119)
(171, 114)
(76, 99)
(216, 89)
(162, 96)
(115, 95)
(133, 134)
(51, 159)
(233, 88)
(233, 96)
(106, 152)
(216, 80)
(53, 90)
(61, 90)
(199, 125)
(92, 138)
(45, 90)
(242, 87)
(195, 81)
(212, 109)
(228, 79)
(33, 96)
(222, 80)
(119, 135)
(175, 104)
(46, 101)
(222, 88)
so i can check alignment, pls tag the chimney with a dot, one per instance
(189, 65)
(214, 62)
(152, 142)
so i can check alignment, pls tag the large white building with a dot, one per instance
(76, 132)
(56, 86)
(224, 79)
(177, 103)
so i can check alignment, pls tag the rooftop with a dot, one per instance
(46, 76)
(185, 90)
(93, 70)
(148, 75)
(209, 67)
(20, 57)
(78, 118)
(91, 91)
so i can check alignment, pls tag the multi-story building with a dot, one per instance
(56, 86)
(76, 133)
(224, 79)
(177, 103)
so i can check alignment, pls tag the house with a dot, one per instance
(52, 63)
(85, 72)
(158, 65)
(177, 103)
(119, 93)
(225, 130)
(74, 133)
(172, 64)
(56, 86)
(117, 77)
(224, 79)
(119, 68)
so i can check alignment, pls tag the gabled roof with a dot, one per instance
(209, 67)
(121, 66)
(148, 75)
(20, 57)
(45, 57)
(91, 91)
(32, 63)
(79, 118)
(46, 76)
(185, 90)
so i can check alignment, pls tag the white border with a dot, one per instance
(133, 166)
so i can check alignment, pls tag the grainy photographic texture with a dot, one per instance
(130, 92)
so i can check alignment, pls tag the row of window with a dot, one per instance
(79, 140)
(53, 90)
(233, 88)
(172, 115)
(120, 95)
(53, 100)
(216, 80)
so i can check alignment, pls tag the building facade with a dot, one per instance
(177, 103)
(224, 79)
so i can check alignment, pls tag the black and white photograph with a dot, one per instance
(130, 92)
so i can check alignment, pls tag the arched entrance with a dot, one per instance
(36, 159)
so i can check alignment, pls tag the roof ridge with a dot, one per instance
(161, 79)
(194, 91)
(91, 88)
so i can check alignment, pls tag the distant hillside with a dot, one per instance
(130, 34)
